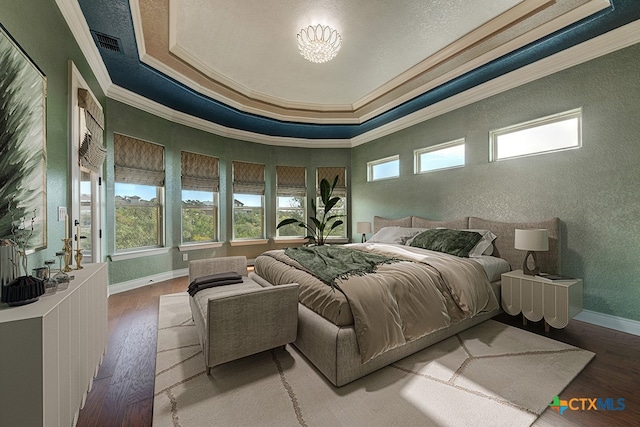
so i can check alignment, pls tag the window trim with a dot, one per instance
(374, 163)
(216, 238)
(161, 226)
(304, 215)
(235, 241)
(417, 153)
(531, 124)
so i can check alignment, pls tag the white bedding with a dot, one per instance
(493, 266)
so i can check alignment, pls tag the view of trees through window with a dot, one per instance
(248, 216)
(339, 209)
(199, 216)
(138, 213)
(291, 207)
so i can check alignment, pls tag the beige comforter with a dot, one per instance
(399, 303)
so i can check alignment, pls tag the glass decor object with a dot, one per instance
(319, 43)
(50, 285)
(61, 277)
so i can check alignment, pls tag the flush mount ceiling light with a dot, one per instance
(319, 43)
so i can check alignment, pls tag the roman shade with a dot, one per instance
(92, 152)
(248, 178)
(291, 181)
(200, 172)
(138, 162)
(329, 173)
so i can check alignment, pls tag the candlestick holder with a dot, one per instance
(68, 252)
(79, 257)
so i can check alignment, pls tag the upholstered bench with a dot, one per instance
(241, 319)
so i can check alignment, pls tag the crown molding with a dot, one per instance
(132, 99)
(611, 41)
(617, 39)
(72, 14)
(280, 109)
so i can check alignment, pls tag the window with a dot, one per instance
(139, 193)
(439, 157)
(388, 167)
(200, 188)
(291, 195)
(340, 208)
(548, 134)
(248, 201)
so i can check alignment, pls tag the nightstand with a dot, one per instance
(536, 299)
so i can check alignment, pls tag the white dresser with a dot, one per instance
(50, 351)
(537, 299)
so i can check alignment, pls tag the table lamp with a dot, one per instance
(531, 241)
(363, 228)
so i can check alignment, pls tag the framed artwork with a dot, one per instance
(23, 158)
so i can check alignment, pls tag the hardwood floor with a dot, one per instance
(122, 393)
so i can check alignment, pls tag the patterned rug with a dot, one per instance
(490, 375)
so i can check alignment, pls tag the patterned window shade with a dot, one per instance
(330, 174)
(138, 162)
(200, 172)
(92, 152)
(291, 181)
(248, 178)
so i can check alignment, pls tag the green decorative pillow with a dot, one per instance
(454, 242)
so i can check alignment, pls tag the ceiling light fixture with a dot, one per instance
(319, 44)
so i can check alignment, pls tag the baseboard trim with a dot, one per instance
(145, 281)
(608, 321)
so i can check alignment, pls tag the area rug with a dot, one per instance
(490, 375)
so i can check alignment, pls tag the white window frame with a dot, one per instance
(263, 214)
(532, 124)
(216, 208)
(419, 152)
(303, 209)
(372, 164)
(160, 227)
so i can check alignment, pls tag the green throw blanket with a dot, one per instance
(329, 263)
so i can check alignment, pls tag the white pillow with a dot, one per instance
(485, 245)
(395, 235)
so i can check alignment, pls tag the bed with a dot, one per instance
(346, 338)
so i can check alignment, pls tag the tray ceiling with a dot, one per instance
(236, 64)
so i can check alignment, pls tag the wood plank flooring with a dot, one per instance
(122, 393)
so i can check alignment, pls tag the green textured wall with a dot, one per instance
(130, 121)
(594, 190)
(42, 32)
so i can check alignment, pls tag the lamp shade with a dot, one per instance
(363, 227)
(532, 240)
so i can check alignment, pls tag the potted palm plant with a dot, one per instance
(321, 225)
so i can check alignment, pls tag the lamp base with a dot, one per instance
(525, 265)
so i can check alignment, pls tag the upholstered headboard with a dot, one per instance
(548, 261)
